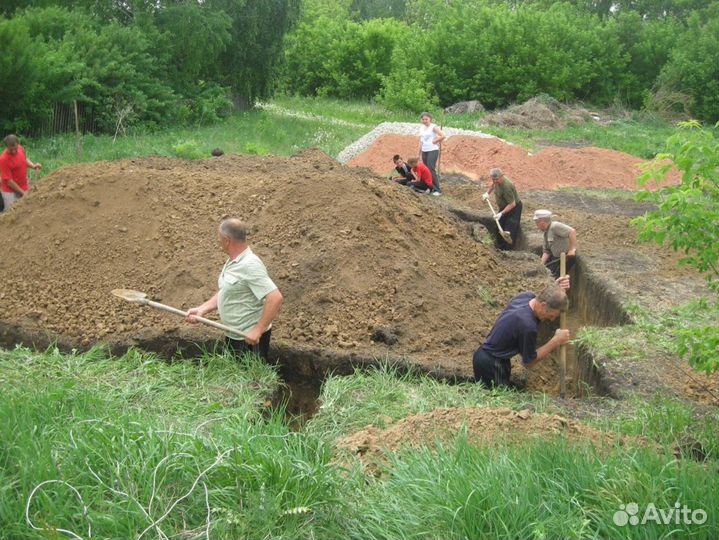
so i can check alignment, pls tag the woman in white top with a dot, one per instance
(430, 137)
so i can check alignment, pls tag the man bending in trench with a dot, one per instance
(515, 332)
(247, 298)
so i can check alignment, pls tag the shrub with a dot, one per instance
(694, 68)
(188, 150)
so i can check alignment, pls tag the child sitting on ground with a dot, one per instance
(403, 170)
(422, 175)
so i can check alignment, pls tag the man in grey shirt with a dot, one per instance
(247, 299)
(558, 238)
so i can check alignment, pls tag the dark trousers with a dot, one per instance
(240, 347)
(490, 370)
(553, 265)
(430, 159)
(510, 221)
(418, 186)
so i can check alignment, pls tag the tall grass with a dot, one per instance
(541, 489)
(379, 396)
(134, 447)
(252, 132)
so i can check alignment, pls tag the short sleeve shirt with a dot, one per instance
(515, 331)
(556, 238)
(14, 167)
(505, 193)
(243, 285)
(423, 174)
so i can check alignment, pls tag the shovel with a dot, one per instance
(563, 326)
(506, 235)
(141, 298)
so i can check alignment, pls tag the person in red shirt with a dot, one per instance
(13, 171)
(422, 174)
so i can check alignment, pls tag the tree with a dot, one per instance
(257, 28)
(694, 67)
(377, 9)
(18, 71)
(687, 219)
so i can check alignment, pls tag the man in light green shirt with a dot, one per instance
(247, 299)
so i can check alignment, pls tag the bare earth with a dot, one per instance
(351, 252)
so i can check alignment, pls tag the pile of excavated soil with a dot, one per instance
(543, 112)
(551, 168)
(482, 425)
(350, 253)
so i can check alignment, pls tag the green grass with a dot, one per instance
(652, 332)
(643, 139)
(381, 395)
(134, 445)
(253, 132)
(539, 490)
(139, 439)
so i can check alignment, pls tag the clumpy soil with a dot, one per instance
(632, 272)
(551, 168)
(482, 425)
(366, 267)
(351, 254)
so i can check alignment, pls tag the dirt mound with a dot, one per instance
(551, 168)
(465, 107)
(482, 425)
(350, 252)
(541, 112)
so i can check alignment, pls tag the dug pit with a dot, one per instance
(370, 271)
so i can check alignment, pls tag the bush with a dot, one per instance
(188, 150)
(687, 219)
(694, 68)
(343, 59)
(500, 55)
(19, 72)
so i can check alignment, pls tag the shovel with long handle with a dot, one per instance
(506, 235)
(563, 326)
(141, 298)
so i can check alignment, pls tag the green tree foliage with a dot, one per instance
(341, 58)
(248, 64)
(694, 67)
(18, 69)
(205, 35)
(142, 61)
(499, 55)
(500, 51)
(648, 45)
(377, 9)
(687, 219)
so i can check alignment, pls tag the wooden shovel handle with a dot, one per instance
(208, 322)
(562, 325)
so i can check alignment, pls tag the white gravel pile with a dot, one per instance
(397, 128)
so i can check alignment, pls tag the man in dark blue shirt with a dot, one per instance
(515, 332)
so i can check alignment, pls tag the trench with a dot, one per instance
(591, 303)
(303, 369)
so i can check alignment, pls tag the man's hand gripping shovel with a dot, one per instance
(506, 235)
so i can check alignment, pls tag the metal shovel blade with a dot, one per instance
(129, 295)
